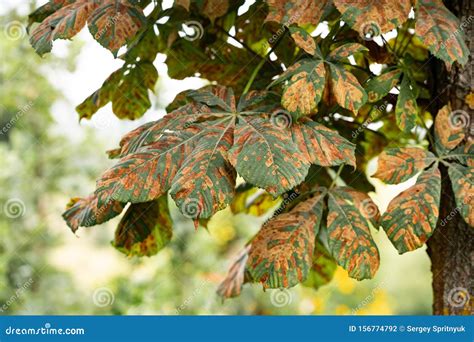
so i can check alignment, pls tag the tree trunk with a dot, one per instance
(451, 248)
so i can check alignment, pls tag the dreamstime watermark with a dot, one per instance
(110, 21)
(19, 114)
(190, 298)
(458, 297)
(370, 30)
(192, 30)
(459, 119)
(14, 208)
(375, 113)
(14, 30)
(46, 330)
(281, 119)
(368, 208)
(286, 200)
(281, 298)
(18, 293)
(191, 208)
(464, 24)
(450, 216)
(367, 300)
(103, 297)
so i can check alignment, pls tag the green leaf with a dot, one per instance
(441, 31)
(349, 238)
(90, 211)
(406, 109)
(282, 251)
(114, 23)
(347, 91)
(396, 165)
(378, 87)
(144, 229)
(323, 268)
(321, 145)
(252, 201)
(411, 217)
(462, 180)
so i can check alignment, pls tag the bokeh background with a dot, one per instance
(47, 156)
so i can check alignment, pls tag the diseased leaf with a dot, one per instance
(406, 109)
(462, 180)
(364, 204)
(349, 238)
(346, 50)
(378, 87)
(299, 12)
(321, 145)
(397, 165)
(231, 286)
(266, 156)
(145, 228)
(439, 30)
(90, 211)
(306, 80)
(282, 251)
(215, 8)
(347, 91)
(411, 217)
(114, 23)
(323, 268)
(65, 23)
(450, 126)
(372, 18)
(205, 182)
(303, 39)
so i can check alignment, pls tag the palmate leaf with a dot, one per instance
(299, 12)
(214, 8)
(115, 22)
(349, 238)
(307, 78)
(144, 229)
(374, 17)
(450, 127)
(411, 217)
(46, 10)
(90, 211)
(193, 151)
(406, 110)
(282, 251)
(64, 23)
(323, 268)
(378, 87)
(397, 165)
(462, 181)
(231, 286)
(441, 32)
(303, 39)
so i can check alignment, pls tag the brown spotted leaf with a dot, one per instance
(282, 251)
(462, 180)
(450, 126)
(65, 23)
(90, 211)
(349, 238)
(265, 155)
(145, 228)
(303, 39)
(321, 145)
(231, 286)
(397, 165)
(115, 22)
(323, 268)
(346, 50)
(378, 87)
(406, 110)
(441, 31)
(287, 12)
(215, 8)
(364, 204)
(372, 18)
(411, 217)
(347, 91)
(306, 81)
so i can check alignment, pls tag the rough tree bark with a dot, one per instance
(451, 248)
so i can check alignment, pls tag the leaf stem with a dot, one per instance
(337, 176)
